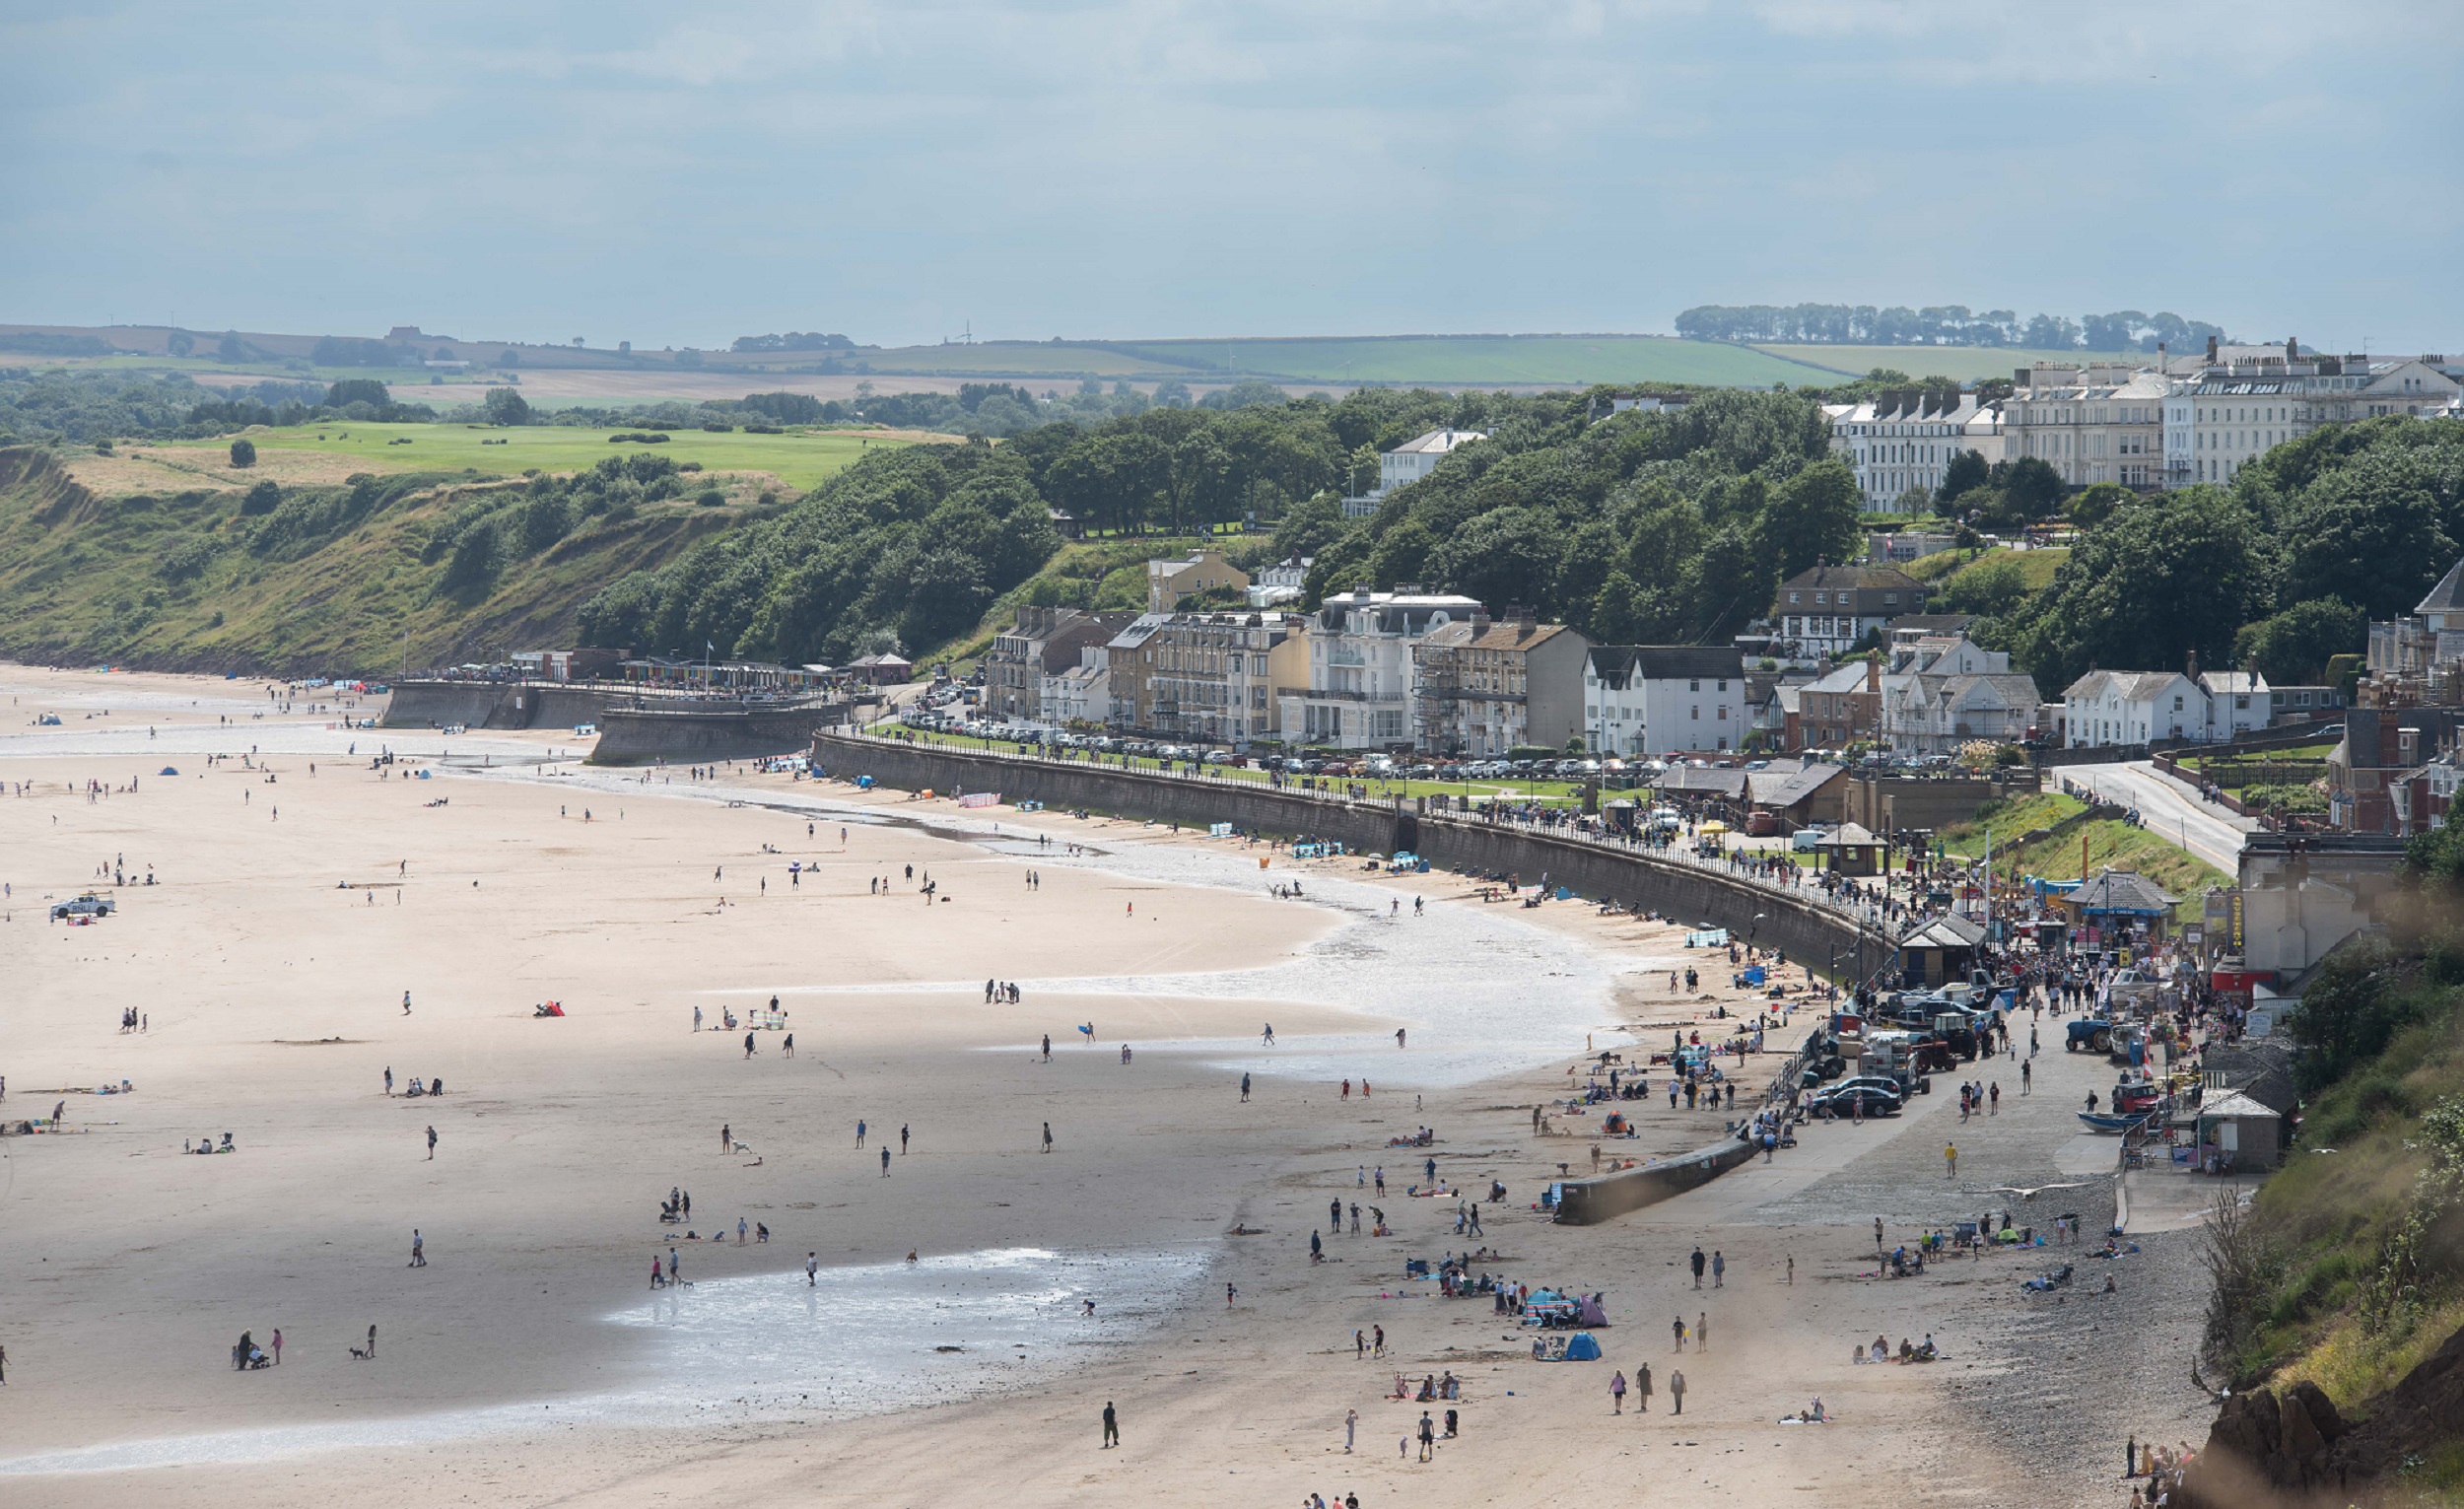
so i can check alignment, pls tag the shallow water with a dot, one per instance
(857, 1342)
(1479, 991)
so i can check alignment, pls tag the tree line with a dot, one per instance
(1949, 324)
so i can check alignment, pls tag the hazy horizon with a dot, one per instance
(1104, 170)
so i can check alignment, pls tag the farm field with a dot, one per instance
(799, 460)
(1966, 363)
(1559, 360)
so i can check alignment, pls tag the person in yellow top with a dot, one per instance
(1950, 1160)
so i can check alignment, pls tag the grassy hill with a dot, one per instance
(797, 460)
(182, 580)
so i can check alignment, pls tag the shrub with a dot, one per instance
(243, 453)
(711, 499)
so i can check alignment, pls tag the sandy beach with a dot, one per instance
(301, 892)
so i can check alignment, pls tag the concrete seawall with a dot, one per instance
(639, 735)
(1589, 1201)
(1808, 931)
(498, 704)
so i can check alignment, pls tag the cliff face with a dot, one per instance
(186, 581)
(2293, 1449)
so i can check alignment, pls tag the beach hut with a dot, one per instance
(1852, 850)
(1939, 950)
(1579, 1348)
(2119, 901)
(2239, 1134)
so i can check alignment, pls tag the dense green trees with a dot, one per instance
(2292, 646)
(504, 406)
(2311, 541)
(913, 543)
(242, 452)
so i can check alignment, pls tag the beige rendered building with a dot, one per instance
(1168, 581)
(1211, 676)
(2100, 423)
(1486, 686)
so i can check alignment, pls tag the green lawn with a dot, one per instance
(2109, 842)
(2036, 565)
(801, 460)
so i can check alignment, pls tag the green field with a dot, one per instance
(1562, 361)
(1965, 363)
(799, 461)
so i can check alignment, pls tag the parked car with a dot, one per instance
(88, 905)
(1843, 1099)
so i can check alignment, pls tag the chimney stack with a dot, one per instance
(2193, 671)
(2211, 351)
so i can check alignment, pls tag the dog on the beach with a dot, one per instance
(361, 1354)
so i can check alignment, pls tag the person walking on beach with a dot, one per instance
(1398, 1037)
(2027, 1077)
(406, 1002)
(1268, 1036)
(812, 1268)
(902, 1139)
(1950, 1160)
(1719, 1270)
(1676, 1392)
(1352, 1428)
(278, 1347)
(1112, 1427)
(1244, 1088)
(1617, 1393)
(789, 1047)
(1048, 1048)
(388, 1079)
(726, 1136)
(885, 1162)
(860, 1147)
(1993, 1095)
(1698, 1267)
(748, 1045)
(419, 1250)
(1048, 1136)
(1429, 1437)
(432, 1144)
(372, 1341)
(1676, 1331)
(1702, 1330)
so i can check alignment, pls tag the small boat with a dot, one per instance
(2106, 1122)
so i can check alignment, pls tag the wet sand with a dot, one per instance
(137, 1265)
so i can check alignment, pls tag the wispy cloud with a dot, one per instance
(687, 173)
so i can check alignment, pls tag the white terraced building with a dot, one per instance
(1906, 439)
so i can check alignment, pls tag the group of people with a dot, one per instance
(1642, 1390)
(416, 1086)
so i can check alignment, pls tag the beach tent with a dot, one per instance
(1579, 1348)
(168, 770)
(1589, 1313)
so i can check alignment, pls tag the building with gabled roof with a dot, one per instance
(1487, 686)
(1664, 699)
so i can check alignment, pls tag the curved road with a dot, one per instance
(2169, 809)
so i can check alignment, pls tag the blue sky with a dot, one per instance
(683, 174)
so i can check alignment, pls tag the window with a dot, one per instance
(1724, 683)
(1695, 713)
(1695, 685)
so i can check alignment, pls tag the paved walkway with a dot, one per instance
(2170, 809)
